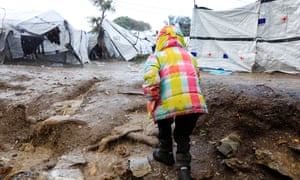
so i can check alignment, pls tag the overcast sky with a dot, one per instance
(150, 11)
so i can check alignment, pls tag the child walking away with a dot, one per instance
(172, 88)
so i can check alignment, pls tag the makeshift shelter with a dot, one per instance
(260, 37)
(41, 35)
(121, 43)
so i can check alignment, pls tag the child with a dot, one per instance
(172, 88)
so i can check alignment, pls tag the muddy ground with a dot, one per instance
(97, 113)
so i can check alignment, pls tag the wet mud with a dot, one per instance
(50, 112)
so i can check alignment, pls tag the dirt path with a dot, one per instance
(48, 114)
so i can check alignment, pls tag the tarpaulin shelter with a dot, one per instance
(121, 43)
(260, 37)
(43, 34)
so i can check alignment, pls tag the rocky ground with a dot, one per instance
(91, 123)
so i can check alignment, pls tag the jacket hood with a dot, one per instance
(169, 36)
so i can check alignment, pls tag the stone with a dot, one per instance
(139, 166)
(229, 145)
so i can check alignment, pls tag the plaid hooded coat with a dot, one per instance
(172, 78)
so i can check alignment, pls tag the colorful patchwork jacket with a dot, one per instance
(172, 78)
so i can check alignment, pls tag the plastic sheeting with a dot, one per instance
(122, 43)
(279, 37)
(120, 39)
(36, 24)
(282, 57)
(259, 37)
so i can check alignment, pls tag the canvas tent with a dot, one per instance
(121, 43)
(260, 37)
(45, 34)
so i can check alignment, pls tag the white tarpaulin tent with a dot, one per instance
(260, 37)
(121, 43)
(24, 33)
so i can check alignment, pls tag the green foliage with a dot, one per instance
(94, 23)
(132, 24)
(103, 6)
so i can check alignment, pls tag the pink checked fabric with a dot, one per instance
(172, 78)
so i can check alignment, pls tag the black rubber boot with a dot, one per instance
(183, 161)
(165, 157)
(184, 173)
(184, 126)
(164, 152)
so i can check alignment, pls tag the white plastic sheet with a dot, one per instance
(261, 36)
(123, 43)
(215, 38)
